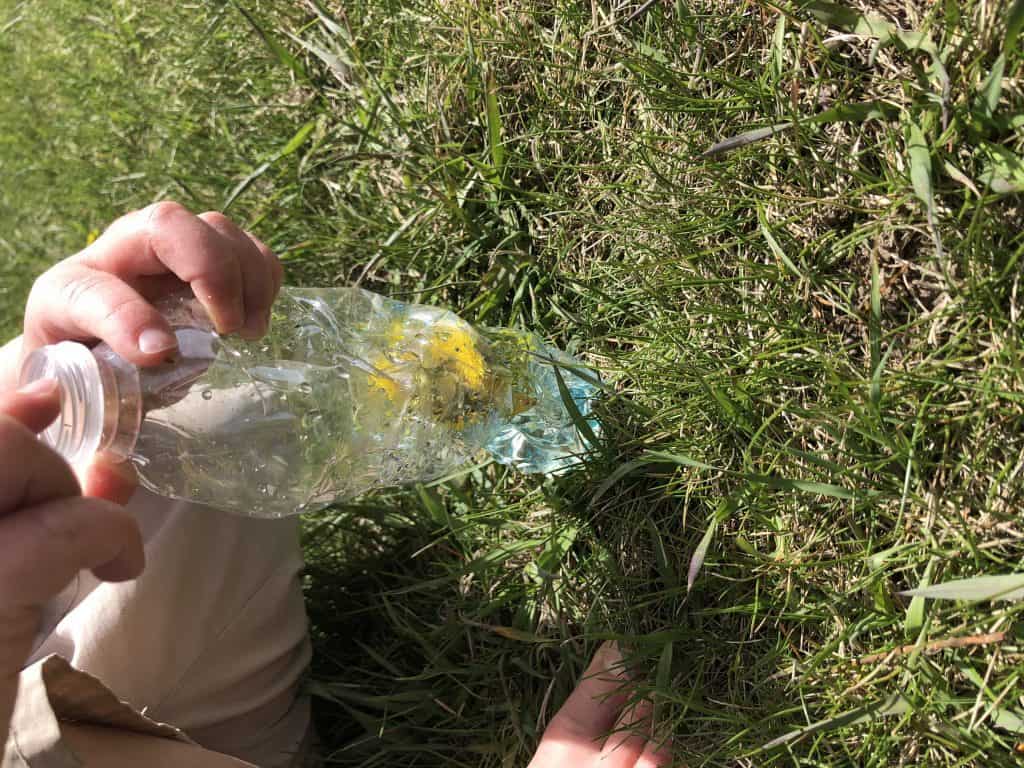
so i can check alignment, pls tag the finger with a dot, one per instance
(599, 697)
(35, 405)
(576, 731)
(75, 301)
(565, 751)
(276, 268)
(47, 544)
(166, 237)
(30, 473)
(257, 280)
(625, 745)
(655, 755)
(108, 477)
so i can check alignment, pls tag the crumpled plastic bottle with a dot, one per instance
(349, 391)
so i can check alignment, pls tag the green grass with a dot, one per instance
(813, 341)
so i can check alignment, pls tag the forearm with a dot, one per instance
(10, 363)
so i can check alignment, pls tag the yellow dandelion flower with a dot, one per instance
(396, 332)
(382, 381)
(456, 347)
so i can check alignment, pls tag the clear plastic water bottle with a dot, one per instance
(348, 392)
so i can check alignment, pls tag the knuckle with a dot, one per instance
(158, 214)
(158, 222)
(72, 291)
(217, 220)
(40, 283)
(44, 286)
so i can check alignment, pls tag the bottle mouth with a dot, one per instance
(77, 431)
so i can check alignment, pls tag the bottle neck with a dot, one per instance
(100, 406)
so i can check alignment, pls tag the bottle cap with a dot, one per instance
(77, 432)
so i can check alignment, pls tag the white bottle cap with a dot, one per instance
(77, 432)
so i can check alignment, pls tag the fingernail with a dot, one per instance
(38, 388)
(154, 340)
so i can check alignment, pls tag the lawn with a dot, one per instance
(811, 336)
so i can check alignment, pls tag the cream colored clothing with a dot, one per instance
(211, 639)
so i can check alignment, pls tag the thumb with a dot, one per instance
(35, 405)
(108, 477)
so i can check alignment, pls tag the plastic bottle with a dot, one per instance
(349, 391)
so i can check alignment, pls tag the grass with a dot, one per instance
(812, 339)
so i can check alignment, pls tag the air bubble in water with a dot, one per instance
(207, 394)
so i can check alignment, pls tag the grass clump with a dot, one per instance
(811, 335)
